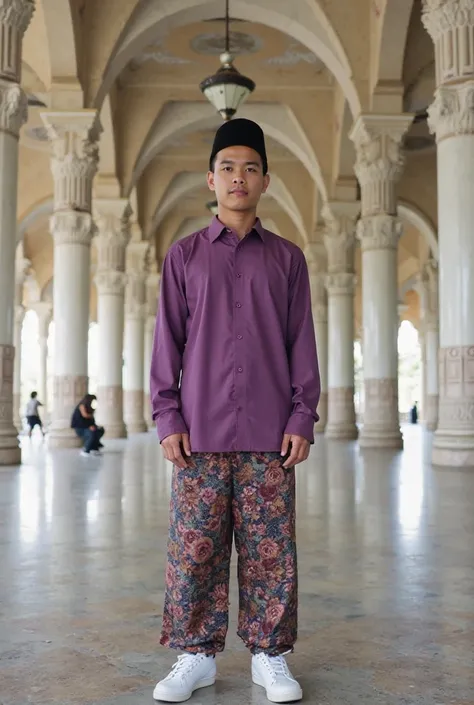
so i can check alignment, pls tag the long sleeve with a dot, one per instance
(168, 346)
(302, 355)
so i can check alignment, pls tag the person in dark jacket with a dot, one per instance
(83, 422)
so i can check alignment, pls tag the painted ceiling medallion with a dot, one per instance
(295, 54)
(213, 44)
(156, 53)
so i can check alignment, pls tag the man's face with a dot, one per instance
(238, 179)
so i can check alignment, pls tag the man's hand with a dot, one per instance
(172, 449)
(299, 449)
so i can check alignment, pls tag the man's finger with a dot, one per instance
(186, 444)
(295, 449)
(178, 456)
(285, 444)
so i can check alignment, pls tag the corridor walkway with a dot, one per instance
(386, 579)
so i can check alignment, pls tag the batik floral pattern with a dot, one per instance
(253, 496)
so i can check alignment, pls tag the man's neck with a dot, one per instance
(241, 222)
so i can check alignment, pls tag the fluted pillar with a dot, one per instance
(340, 244)
(430, 327)
(15, 16)
(451, 117)
(74, 138)
(379, 164)
(152, 291)
(134, 339)
(112, 217)
(317, 266)
(44, 312)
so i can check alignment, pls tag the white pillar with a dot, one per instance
(15, 16)
(74, 137)
(134, 339)
(112, 217)
(340, 244)
(378, 167)
(22, 268)
(317, 266)
(451, 117)
(152, 292)
(44, 311)
(429, 321)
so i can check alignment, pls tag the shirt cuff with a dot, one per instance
(301, 425)
(169, 423)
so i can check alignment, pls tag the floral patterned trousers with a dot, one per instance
(249, 496)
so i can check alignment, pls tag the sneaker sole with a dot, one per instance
(170, 698)
(280, 697)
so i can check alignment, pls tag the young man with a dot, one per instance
(235, 322)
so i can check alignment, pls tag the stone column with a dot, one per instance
(340, 245)
(134, 338)
(429, 319)
(152, 292)
(74, 139)
(316, 259)
(379, 164)
(451, 117)
(112, 216)
(22, 267)
(43, 310)
(15, 16)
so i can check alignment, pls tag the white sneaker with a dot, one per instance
(85, 454)
(96, 452)
(190, 672)
(273, 674)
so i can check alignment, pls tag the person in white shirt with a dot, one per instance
(32, 413)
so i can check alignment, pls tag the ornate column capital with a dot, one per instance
(75, 154)
(13, 108)
(379, 232)
(341, 283)
(452, 111)
(379, 163)
(112, 217)
(15, 16)
(72, 227)
(339, 238)
(110, 282)
(450, 23)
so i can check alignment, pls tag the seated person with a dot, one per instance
(83, 422)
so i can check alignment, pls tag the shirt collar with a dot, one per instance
(216, 228)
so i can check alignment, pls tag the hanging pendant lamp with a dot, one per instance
(227, 89)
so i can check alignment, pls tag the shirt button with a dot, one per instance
(239, 369)
(238, 305)
(239, 275)
(239, 337)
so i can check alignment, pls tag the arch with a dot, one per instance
(108, 164)
(413, 215)
(179, 118)
(306, 22)
(39, 210)
(62, 30)
(344, 182)
(391, 42)
(186, 182)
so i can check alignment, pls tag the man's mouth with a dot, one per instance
(239, 192)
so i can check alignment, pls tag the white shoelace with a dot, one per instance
(277, 665)
(185, 664)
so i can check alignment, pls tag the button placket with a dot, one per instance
(239, 306)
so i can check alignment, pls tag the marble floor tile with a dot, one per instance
(386, 568)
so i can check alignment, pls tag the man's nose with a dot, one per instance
(238, 179)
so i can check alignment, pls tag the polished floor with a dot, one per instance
(386, 551)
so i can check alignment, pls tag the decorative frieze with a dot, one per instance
(452, 111)
(15, 16)
(456, 387)
(379, 232)
(72, 228)
(110, 282)
(13, 108)
(113, 225)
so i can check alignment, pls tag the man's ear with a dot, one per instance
(266, 182)
(210, 180)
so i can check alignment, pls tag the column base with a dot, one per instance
(381, 427)
(431, 412)
(133, 407)
(320, 425)
(68, 391)
(10, 452)
(453, 444)
(341, 423)
(110, 411)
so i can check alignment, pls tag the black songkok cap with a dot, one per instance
(240, 133)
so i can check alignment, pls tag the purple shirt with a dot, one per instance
(235, 320)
